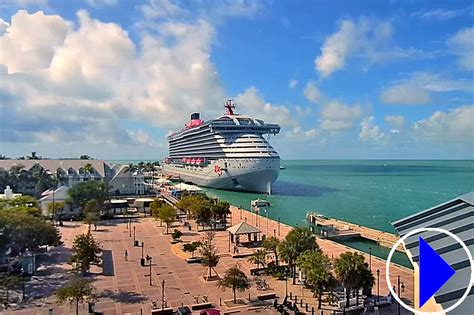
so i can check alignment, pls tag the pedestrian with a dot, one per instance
(126, 255)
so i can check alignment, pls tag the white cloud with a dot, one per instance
(311, 92)
(293, 83)
(462, 45)
(303, 111)
(370, 132)
(337, 116)
(3, 26)
(453, 126)
(297, 134)
(417, 89)
(30, 41)
(436, 14)
(161, 8)
(365, 38)
(101, 3)
(405, 94)
(396, 121)
(252, 103)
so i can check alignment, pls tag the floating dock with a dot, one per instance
(335, 229)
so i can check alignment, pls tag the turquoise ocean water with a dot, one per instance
(373, 193)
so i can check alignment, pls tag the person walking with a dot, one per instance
(126, 255)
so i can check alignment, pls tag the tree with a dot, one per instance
(219, 211)
(317, 269)
(76, 292)
(352, 271)
(176, 234)
(259, 257)
(154, 208)
(44, 180)
(296, 242)
(271, 245)
(82, 192)
(85, 157)
(91, 219)
(55, 208)
(22, 231)
(235, 280)
(92, 212)
(191, 247)
(167, 214)
(85, 252)
(209, 252)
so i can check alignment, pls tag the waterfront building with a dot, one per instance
(457, 217)
(121, 178)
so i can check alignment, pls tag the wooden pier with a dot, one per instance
(335, 229)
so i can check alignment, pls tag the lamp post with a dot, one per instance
(378, 285)
(278, 226)
(130, 229)
(274, 233)
(286, 283)
(370, 259)
(143, 245)
(163, 294)
(149, 263)
(402, 287)
(134, 236)
(240, 212)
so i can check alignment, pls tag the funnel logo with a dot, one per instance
(434, 271)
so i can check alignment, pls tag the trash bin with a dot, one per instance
(142, 262)
(189, 227)
(136, 243)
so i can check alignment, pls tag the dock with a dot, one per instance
(335, 229)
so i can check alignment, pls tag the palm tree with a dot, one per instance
(44, 180)
(271, 244)
(352, 271)
(234, 279)
(296, 242)
(317, 269)
(259, 257)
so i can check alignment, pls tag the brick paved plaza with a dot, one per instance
(124, 285)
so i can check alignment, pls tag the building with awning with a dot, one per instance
(457, 217)
(243, 228)
(143, 204)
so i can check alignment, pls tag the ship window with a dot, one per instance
(245, 121)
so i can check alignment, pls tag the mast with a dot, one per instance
(229, 107)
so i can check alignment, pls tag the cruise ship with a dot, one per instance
(230, 152)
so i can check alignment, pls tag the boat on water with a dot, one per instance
(282, 167)
(230, 152)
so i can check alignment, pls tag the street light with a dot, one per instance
(134, 236)
(278, 226)
(130, 229)
(163, 294)
(378, 285)
(149, 258)
(286, 283)
(402, 286)
(370, 259)
(142, 260)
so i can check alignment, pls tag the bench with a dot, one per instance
(165, 311)
(267, 296)
(194, 260)
(201, 306)
(258, 271)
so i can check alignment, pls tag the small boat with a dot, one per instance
(260, 203)
(282, 167)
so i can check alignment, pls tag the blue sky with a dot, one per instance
(344, 79)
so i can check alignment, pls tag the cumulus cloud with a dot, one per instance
(441, 14)
(337, 116)
(395, 121)
(81, 80)
(462, 45)
(370, 132)
(405, 94)
(3, 26)
(364, 38)
(293, 83)
(417, 89)
(453, 126)
(311, 92)
(252, 103)
(30, 41)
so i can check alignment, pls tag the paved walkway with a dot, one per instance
(124, 286)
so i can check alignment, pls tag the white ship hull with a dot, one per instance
(253, 174)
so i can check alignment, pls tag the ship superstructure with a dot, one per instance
(230, 152)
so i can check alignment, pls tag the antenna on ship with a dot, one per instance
(229, 107)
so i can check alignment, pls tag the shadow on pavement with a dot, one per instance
(107, 263)
(123, 296)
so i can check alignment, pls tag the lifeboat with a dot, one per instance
(193, 161)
